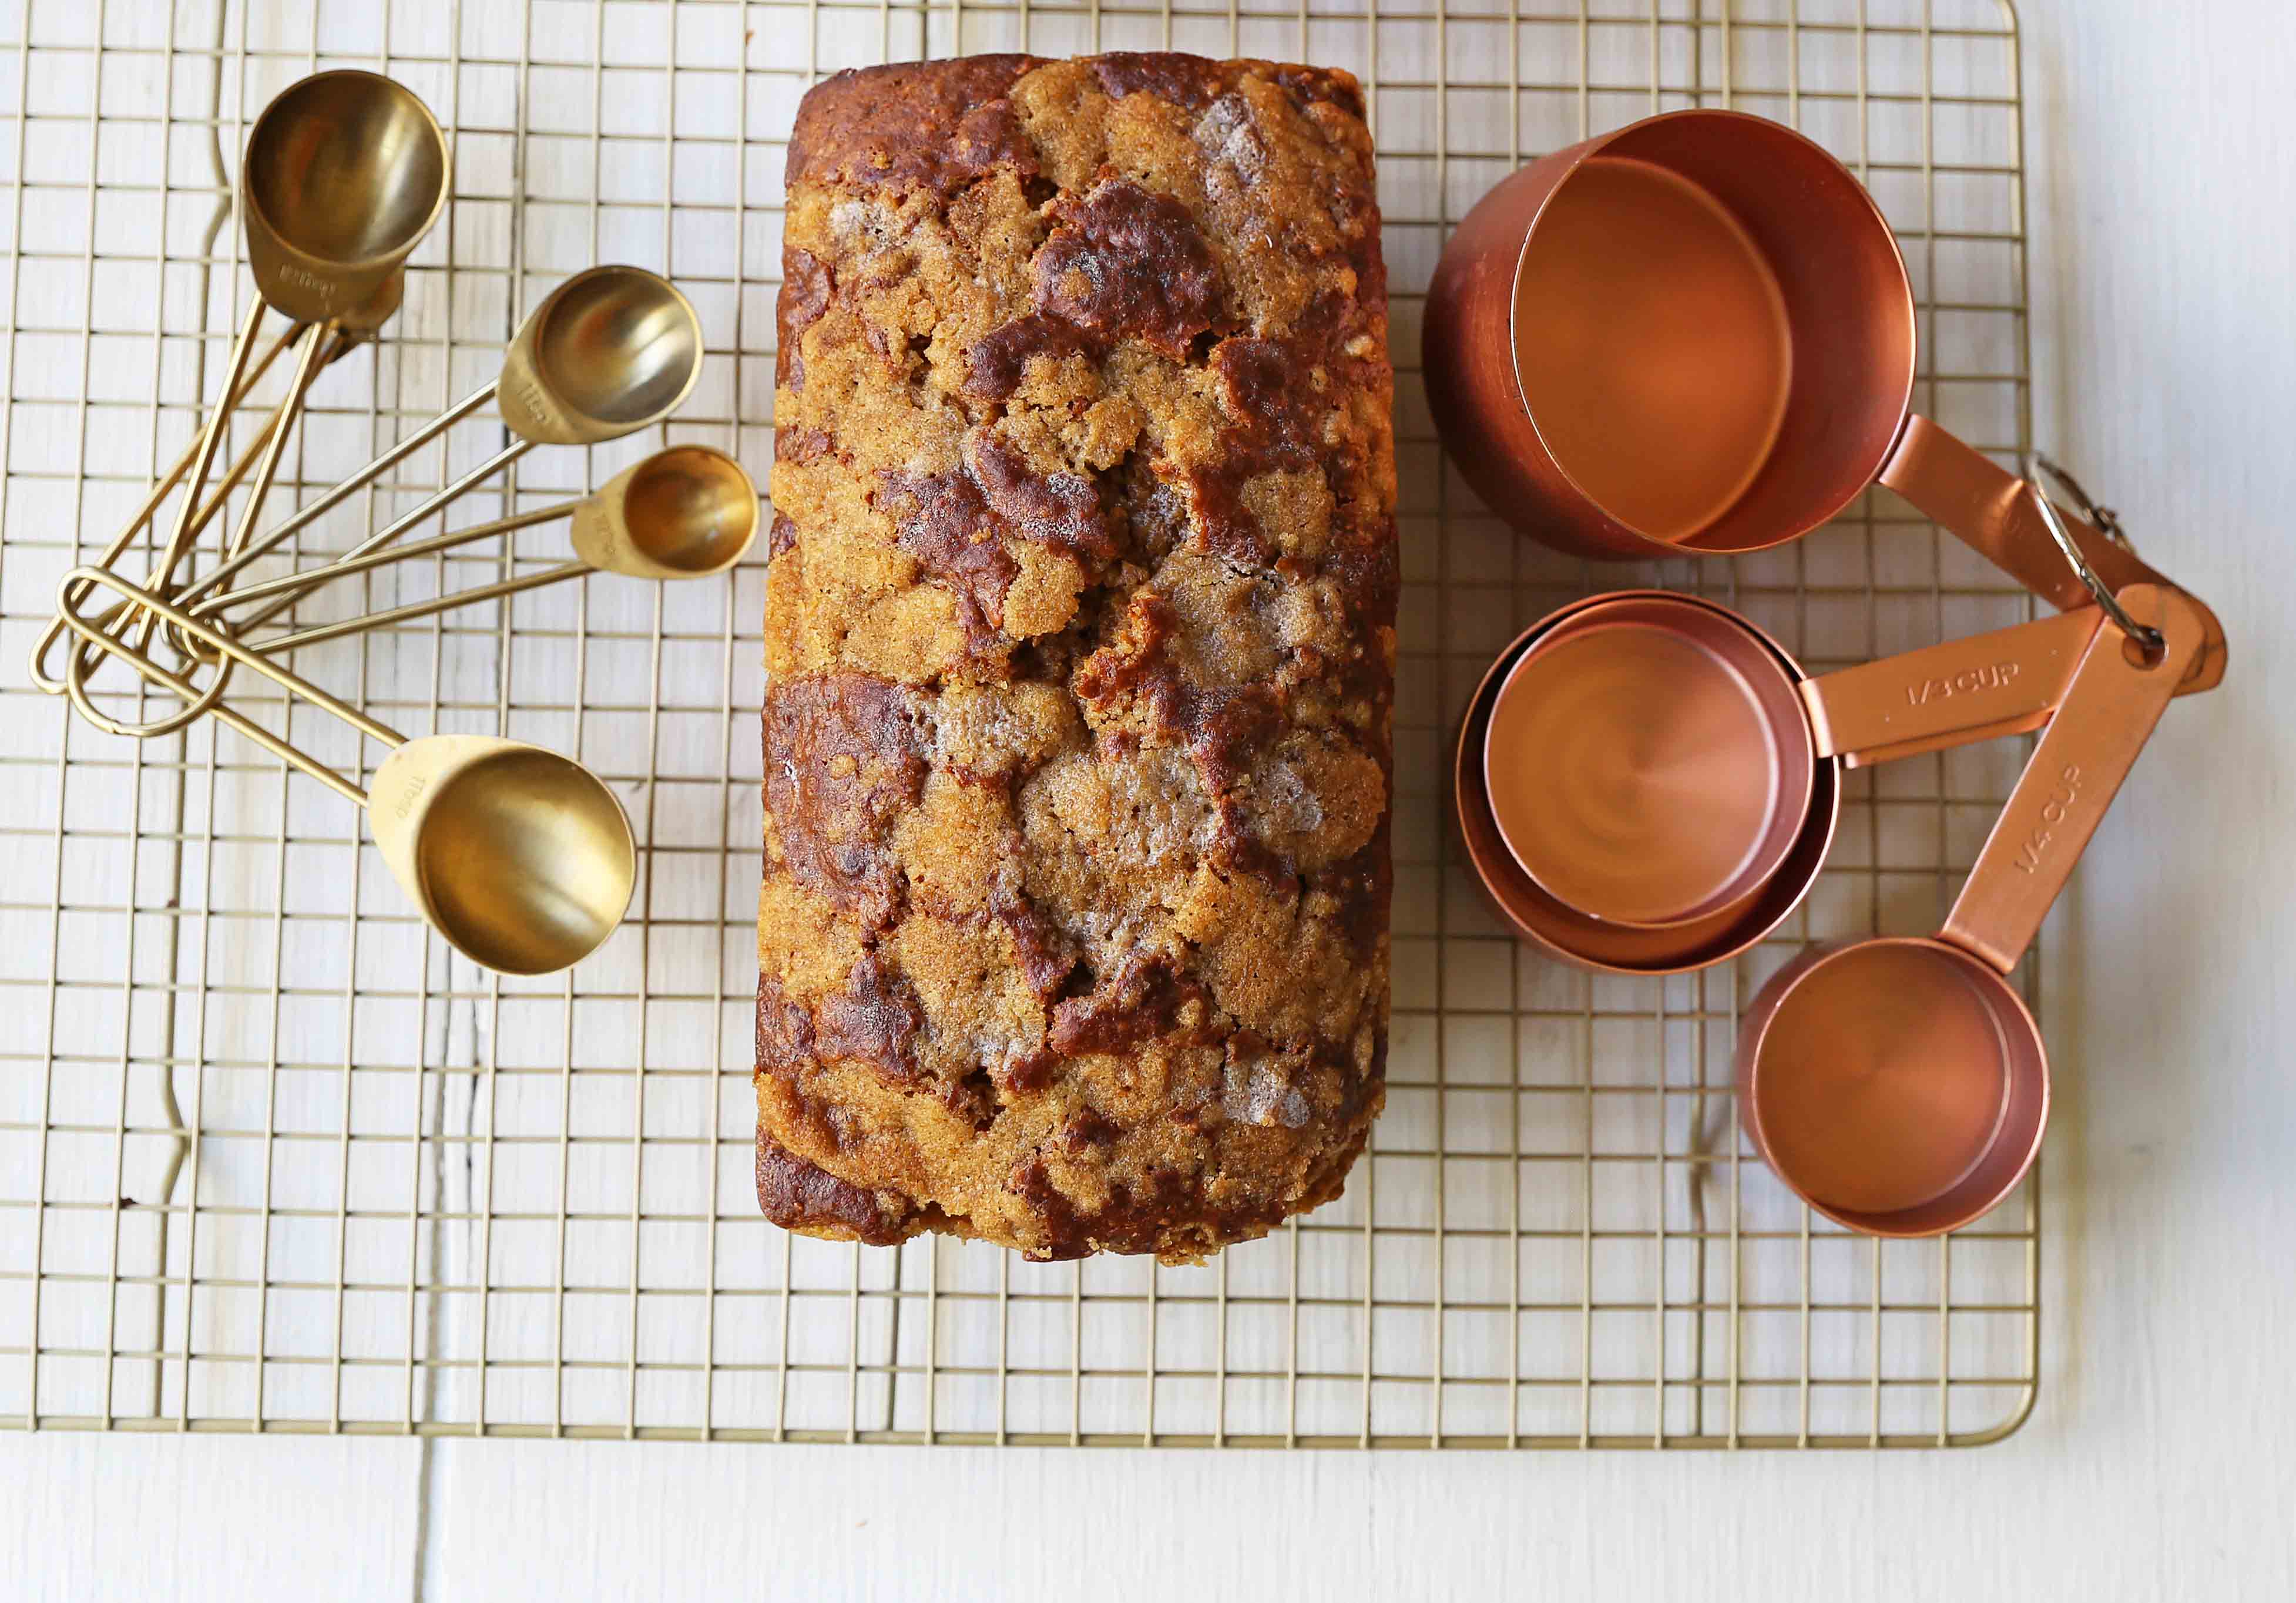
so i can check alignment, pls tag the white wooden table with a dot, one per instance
(2161, 1463)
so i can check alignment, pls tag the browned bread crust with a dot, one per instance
(1079, 627)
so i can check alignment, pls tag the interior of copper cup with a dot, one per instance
(1897, 1085)
(1537, 917)
(1648, 762)
(1836, 272)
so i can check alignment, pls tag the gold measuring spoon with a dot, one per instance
(682, 514)
(343, 174)
(609, 352)
(522, 859)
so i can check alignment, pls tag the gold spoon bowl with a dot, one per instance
(345, 172)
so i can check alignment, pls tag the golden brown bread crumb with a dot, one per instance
(1081, 636)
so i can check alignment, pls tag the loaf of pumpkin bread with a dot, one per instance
(1079, 635)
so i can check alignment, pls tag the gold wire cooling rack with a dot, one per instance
(273, 1158)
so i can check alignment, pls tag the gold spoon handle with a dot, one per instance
(311, 512)
(278, 747)
(223, 645)
(391, 616)
(322, 344)
(210, 437)
(285, 596)
(47, 683)
(183, 717)
(317, 338)
(311, 578)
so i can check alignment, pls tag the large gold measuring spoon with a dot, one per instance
(343, 174)
(522, 859)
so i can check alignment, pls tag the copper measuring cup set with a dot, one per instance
(1696, 335)
(522, 859)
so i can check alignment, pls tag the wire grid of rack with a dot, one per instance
(272, 1158)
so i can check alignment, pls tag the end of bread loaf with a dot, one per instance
(1080, 643)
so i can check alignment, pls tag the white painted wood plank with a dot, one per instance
(88, 1519)
(908, 1526)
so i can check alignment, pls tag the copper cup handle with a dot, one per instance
(2004, 682)
(2117, 695)
(1996, 513)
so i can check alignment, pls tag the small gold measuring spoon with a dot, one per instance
(609, 352)
(343, 174)
(682, 514)
(522, 859)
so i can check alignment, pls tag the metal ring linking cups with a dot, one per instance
(2147, 637)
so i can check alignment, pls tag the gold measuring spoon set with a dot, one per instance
(520, 858)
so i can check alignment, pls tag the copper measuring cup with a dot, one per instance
(1562, 932)
(520, 858)
(1900, 1086)
(1652, 759)
(1614, 314)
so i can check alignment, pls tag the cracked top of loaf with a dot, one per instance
(1079, 630)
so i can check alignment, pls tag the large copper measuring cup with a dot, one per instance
(1696, 335)
(520, 858)
(1900, 1085)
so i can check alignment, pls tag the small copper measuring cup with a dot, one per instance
(1766, 256)
(520, 858)
(1562, 932)
(1652, 759)
(1900, 1085)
